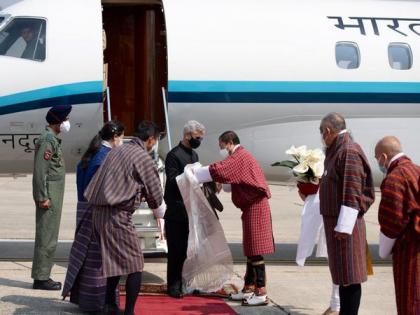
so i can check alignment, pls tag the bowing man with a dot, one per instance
(250, 193)
(399, 220)
(127, 175)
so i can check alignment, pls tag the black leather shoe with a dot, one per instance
(175, 293)
(112, 309)
(49, 284)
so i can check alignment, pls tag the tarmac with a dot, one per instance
(292, 289)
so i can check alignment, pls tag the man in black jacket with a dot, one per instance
(176, 219)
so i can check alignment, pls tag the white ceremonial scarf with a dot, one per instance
(386, 245)
(311, 229)
(209, 263)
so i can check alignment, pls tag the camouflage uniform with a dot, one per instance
(47, 183)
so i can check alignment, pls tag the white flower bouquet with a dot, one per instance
(307, 166)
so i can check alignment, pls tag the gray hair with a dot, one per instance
(193, 126)
(335, 121)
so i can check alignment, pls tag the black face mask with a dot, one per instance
(194, 142)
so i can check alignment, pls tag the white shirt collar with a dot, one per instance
(235, 147)
(343, 131)
(106, 144)
(396, 157)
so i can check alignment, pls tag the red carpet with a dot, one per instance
(189, 305)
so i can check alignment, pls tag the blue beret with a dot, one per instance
(57, 114)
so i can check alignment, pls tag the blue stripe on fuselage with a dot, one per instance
(227, 92)
(294, 86)
(293, 92)
(74, 93)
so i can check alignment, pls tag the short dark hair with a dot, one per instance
(335, 121)
(146, 129)
(229, 136)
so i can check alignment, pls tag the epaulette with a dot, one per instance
(49, 137)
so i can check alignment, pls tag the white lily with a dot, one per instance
(297, 152)
(301, 168)
(318, 169)
(313, 159)
(318, 154)
(314, 155)
(307, 159)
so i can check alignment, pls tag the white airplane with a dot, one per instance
(268, 69)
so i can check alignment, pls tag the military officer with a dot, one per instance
(48, 191)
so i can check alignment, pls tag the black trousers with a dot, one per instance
(177, 241)
(350, 299)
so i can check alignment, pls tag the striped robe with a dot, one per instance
(250, 193)
(84, 280)
(399, 218)
(347, 181)
(126, 176)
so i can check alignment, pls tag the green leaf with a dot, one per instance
(303, 177)
(286, 163)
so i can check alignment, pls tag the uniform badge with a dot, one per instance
(47, 155)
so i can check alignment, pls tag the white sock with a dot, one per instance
(335, 298)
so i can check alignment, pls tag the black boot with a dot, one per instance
(175, 290)
(49, 284)
(112, 309)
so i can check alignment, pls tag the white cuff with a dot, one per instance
(385, 245)
(203, 175)
(160, 212)
(227, 188)
(346, 220)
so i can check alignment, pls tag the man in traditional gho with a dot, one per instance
(346, 193)
(127, 175)
(84, 281)
(250, 193)
(399, 219)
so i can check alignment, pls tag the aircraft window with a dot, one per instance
(400, 56)
(347, 55)
(24, 38)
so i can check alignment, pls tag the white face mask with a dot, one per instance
(65, 126)
(224, 153)
(119, 141)
(154, 148)
(324, 145)
(323, 142)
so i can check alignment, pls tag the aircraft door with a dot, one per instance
(136, 62)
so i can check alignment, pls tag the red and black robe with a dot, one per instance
(250, 193)
(399, 218)
(346, 184)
